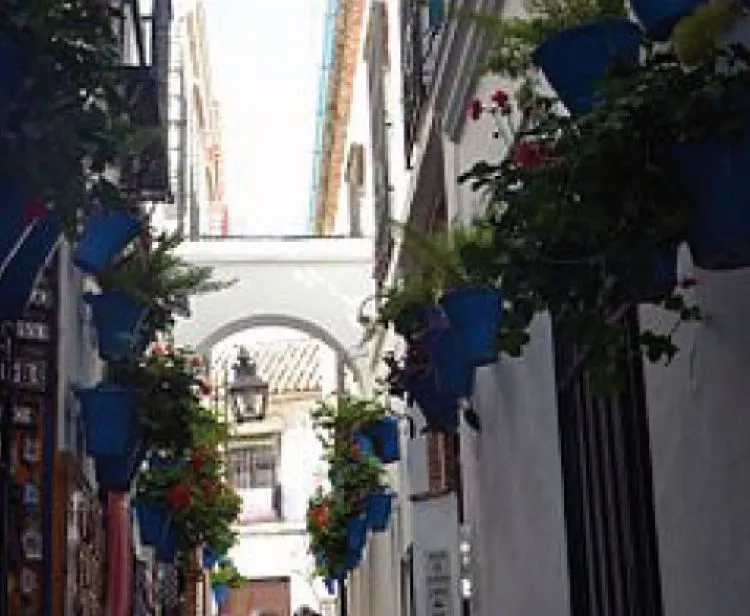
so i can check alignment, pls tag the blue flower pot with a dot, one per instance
(111, 419)
(153, 521)
(11, 72)
(116, 473)
(364, 443)
(660, 16)
(210, 558)
(119, 323)
(474, 315)
(167, 548)
(712, 177)
(221, 594)
(104, 236)
(385, 436)
(26, 263)
(576, 60)
(454, 374)
(378, 510)
(356, 534)
(439, 408)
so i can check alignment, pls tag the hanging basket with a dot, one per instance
(111, 420)
(153, 522)
(474, 315)
(454, 374)
(438, 407)
(575, 60)
(167, 548)
(210, 558)
(660, 16)
(356, 534)
(221, 593)
(119, 323)
(378, 507)
(116, 473)
(712, 176)
(104, 236)
(385, 437)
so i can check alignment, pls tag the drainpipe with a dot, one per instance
(118, 554)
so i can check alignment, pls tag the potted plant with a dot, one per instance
(111, 419)
(153, 520)
(106, 233)
(660, 16)
(223, 580)
(159, 281)
(121, 325)
(378, 509)
(327, 516)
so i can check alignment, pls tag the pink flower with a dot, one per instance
(34, 208)
(475, 110)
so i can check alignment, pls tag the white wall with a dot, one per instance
(700, 427)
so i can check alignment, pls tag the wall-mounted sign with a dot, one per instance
(439, 583)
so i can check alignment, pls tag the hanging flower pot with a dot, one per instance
(221, 593)
(111, 419)
(378, 507)
(153, 521)
(104, 236)
(167, 548)
(119, 323)
(438, 407)
(576, 59)
(116, 473)
(363, 443)
(210, 558)
(712, 175)
(385, 438)
(454, 374)
(356, 533)
(660, 16)
(474, 315)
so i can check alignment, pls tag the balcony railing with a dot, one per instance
(421, 28)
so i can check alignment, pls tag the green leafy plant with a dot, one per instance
(343, 419)
(160, 279)
(586, 216)
(326, 528)
(71, 119)
(226, 574)
(194, 488)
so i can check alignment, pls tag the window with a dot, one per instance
(254, 465)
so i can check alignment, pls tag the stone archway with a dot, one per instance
(205, 345)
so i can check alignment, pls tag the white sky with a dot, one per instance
(266, 57)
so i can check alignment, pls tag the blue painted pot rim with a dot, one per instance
(659, 17)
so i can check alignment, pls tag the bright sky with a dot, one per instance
(267, 56)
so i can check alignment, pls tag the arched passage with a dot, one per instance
(275, 320)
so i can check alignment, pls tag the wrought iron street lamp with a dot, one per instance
(248, 393)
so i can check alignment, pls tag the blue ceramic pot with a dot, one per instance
(210, 558)
(454, 374)
(167, 548)
(153, 521)
(116, 473)
(474, 315)
(356, 533)
(111, 419)
(660, 16)
(119, 323)
(712, 177)
(24, 265)
(221, 594)
(385, 436)
(576, 60)
(363, 443)
(439, 408)
(104, 236)
(378, 510)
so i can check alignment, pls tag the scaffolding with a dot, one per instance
(329, 21)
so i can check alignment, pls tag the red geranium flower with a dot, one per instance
(475, 110)
(210, 488)
(205, 388)
(179, 496)
(529, 154)
(34, 208)
(500, 98)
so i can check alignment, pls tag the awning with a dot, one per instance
(29, 235)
